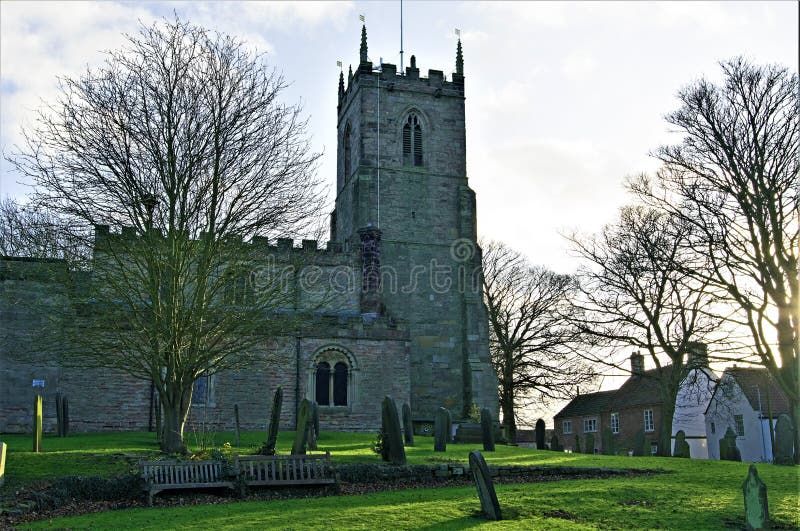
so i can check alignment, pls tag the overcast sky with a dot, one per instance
(563, 99)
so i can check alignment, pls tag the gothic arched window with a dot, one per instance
(347, 152)
(340, 384)
(323, 384)
(412, 141)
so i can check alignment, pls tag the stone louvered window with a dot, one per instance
(323, 384)
(340, 384)
(348, 152)
(412, 141)
(332, 380)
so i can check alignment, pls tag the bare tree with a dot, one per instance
(633, 294)
(35, 233)
(734, 179)
(529, 334)
(180, 141)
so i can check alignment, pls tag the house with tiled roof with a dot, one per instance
(747, 400)
(617, 418)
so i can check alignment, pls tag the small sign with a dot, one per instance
(38, 383)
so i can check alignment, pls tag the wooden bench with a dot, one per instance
(255, 470)
(166, 475)
(277, 470)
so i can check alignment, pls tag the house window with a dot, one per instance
(615, 423)
(203, 391)
(567, 427)
(739, 420)
(323, 384)
(589, 425)
(713, 428)
(412, 141)
(653, 448)
(648, 420)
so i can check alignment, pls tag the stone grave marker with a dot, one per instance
(483, 482)
(783, 454)
(681, 446)
(408, 427)
(440, 426)
(727, 447)
(540, 435)
(756, 509)
(487, 430)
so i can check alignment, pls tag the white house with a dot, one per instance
(694, 396)
(745, 399)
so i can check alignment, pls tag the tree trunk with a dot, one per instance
(794, 406)
(176, 409)
(665, 424)
(508, 419)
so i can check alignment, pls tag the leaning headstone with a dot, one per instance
(301, 430)
(487, 430)
(3, 447)
(638, 443)
(589, 448)
(37, 423)
(783, 453)
(727, 447)
(408, 426)
(483, 482)
(680, 439)
(394, 452)
(449, 430)
(268, 448)
(440, 430)
(540, 434)
(756, 509)
(609, 448)
(311, 438)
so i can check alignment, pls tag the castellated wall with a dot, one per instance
(375, 349)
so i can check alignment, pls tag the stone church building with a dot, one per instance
(413, 326)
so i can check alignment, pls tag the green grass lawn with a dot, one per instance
(695, 494)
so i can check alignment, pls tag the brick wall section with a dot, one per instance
(630, 421)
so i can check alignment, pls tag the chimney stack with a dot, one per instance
(698, 354)
(637, 364)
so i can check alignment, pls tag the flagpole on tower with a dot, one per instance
(402, 68)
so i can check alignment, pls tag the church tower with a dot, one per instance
(403, 201)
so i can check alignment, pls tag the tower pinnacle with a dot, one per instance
(364, 58)
(459, 59)
(341, 86)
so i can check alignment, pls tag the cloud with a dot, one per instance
(579, 64)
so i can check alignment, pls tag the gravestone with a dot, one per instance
(487, 430)
(540, 435)
(394, 451)
(440, 425)
(681, 446)
(313, 416)
(756, 509)
(608, 442)
(577, 444)
(589, 446)
(408, 428)
(301, 428)
(727, 447)
(554, 443)
(3, 447)
(783, 453)
(483, 482)
(638, 443)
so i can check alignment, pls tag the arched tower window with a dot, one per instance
(340, 384)
(412, 141)
(323, 379)
(347, 152)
